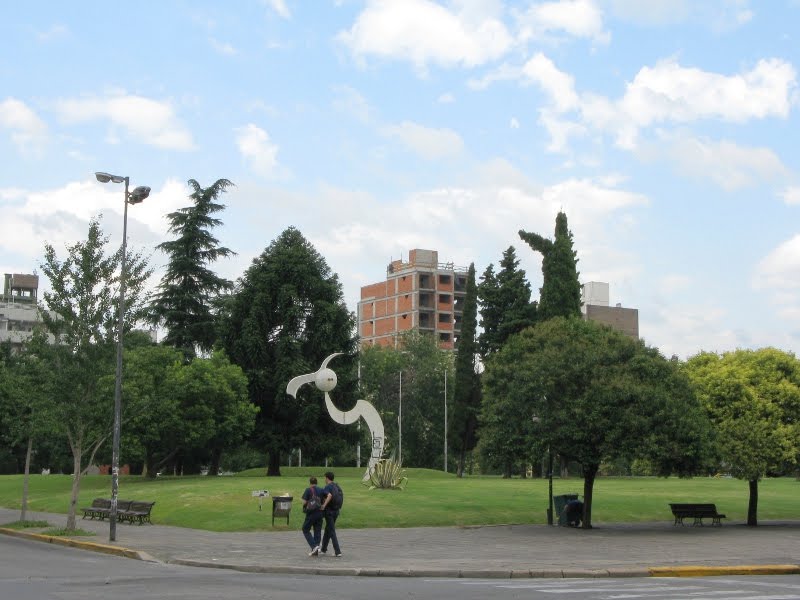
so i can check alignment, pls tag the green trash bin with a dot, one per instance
(559, 502)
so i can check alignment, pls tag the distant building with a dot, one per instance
(19, 308)
(420, 294)
(595, 307)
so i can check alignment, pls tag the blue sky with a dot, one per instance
(666, 130)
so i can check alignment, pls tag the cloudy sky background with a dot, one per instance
(666, 130)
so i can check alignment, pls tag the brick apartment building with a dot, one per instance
(418, 294)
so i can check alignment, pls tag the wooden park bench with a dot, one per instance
(127, 510)
(696, 511)
(100, 508)
(136, 512)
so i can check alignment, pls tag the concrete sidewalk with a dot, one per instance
(623, 550)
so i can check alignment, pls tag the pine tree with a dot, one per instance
(560, 294)
(467, 392)
(184, 300)
(286, 315)
(505, 300)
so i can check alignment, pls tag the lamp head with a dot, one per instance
(106, 177)
(138, 194)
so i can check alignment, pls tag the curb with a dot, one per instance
(702, 571)
(84, 545)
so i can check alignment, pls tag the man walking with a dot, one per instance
(312, 506)
(331, 505)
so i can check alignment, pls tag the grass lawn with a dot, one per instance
(431, 498)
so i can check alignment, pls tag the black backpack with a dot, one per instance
(337, 496)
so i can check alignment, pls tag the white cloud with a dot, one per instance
(719, 16)
(513, 123)
(446, 98)
(259, 151)
(577, 18)
(727, 164)
(780, 269)
(223, 48)
(351, 101)
(666, 93)
(558, 85)
(424, 32)
(28, 131)
(279, 6)
(145, 120)
(791, 195)
(429, 143)
(55, 32)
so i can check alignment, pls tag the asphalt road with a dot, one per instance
(35, 571)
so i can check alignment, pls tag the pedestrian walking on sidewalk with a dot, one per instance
(312, 506)
(331, 505)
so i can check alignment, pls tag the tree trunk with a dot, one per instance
(752, 505)
(76, 487)
(24, 514)
(462, 459)
(589, 474)
(213, 465)
(564, 463)
(274, 464)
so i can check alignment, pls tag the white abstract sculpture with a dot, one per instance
(325, 380)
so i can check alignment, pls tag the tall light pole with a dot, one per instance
(400, 420)
(134, 197)
(445, 419)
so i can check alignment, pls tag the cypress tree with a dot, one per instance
(560, 294)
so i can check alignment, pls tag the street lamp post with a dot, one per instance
(445, 419)
(134, 197)
(400, 421)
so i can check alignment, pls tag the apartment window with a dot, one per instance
(444, 279)
(445, 298)
(444, 337)
(444, 317)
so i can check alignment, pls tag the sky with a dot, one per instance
(666, 130)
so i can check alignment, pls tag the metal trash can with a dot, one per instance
(281, 507)
(559, 502)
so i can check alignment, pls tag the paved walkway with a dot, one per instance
(492, 551)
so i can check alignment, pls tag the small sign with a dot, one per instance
(260, 494)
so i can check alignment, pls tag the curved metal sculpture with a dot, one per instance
(325, 380)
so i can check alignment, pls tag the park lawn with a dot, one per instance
(431, 498)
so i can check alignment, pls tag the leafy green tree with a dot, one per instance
(753, 400)
(593, 394)
(27, 386)
(467, 384)
(286, 315)
(221, 389)
(183, 302)
(560, 294)
(505, 303)
(422, 366)
(82, 315)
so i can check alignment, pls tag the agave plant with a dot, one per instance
(388, 474)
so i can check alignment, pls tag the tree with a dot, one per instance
(505, 303)
(82, 315)
(753, 400)
(24, 392)
(286, 315)
(422, 365)
(560, 294)
(183, 302)
(593, 394)
(467, 384)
